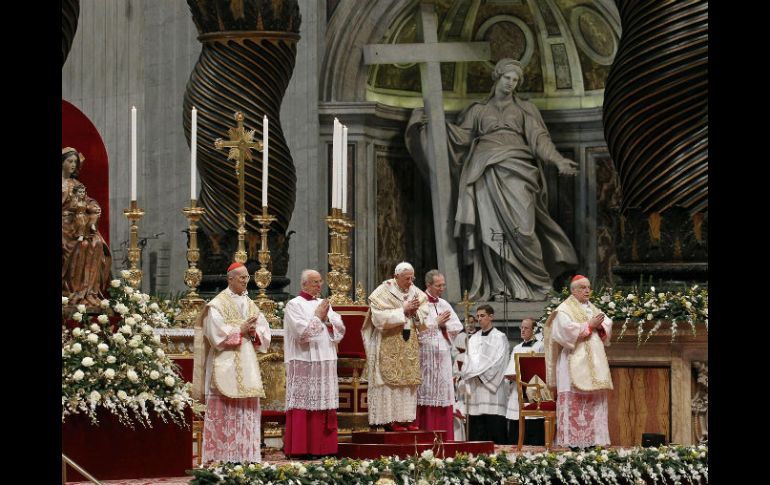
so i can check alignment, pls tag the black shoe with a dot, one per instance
(576, 449)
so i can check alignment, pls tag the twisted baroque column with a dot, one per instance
(247, 59)
(656, 126)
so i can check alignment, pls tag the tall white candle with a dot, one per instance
(193, 151)
(133, 153)
(344, 178)
(335, 161)
(264, 160)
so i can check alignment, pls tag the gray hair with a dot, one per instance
(431, 275)
(403, 266)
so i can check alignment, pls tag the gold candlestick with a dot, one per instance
(339, 280)
(240, 255)
(263, 276)
(134, 213)
(192, 302)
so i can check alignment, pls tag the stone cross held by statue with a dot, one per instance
(430, 54)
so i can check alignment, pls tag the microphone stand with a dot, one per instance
(500, 236)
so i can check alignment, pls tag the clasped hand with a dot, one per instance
(596, 320)
(443, 317)
(249, 326)
(322, 311)
(411, 306)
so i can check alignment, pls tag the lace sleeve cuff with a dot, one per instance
(314, 328)
(233, 340)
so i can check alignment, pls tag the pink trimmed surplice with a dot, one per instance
(581, 419)
(231, 430)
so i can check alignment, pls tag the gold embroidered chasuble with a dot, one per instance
(393, 361)
(588, 366)
(235, 371)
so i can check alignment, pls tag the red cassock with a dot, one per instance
(311, 378)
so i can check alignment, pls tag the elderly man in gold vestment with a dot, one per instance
(576, 365)
(397, 310)
(229, 332)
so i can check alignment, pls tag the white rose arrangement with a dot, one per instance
(113, 361)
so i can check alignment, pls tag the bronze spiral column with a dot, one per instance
(70, 11)
(656, 126)
(247, 59)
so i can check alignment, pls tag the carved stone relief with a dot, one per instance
(700, 402)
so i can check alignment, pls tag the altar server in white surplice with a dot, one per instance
(310, 352)
(483, 374)
(535, 429)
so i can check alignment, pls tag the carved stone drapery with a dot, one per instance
(70, 11)
(247, 59)
(656, 126)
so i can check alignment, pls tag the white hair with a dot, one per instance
(403, 266)
(573, 283)
(233, 272)
(306, 275)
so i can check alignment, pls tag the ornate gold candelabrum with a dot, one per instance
(133, 214)
(360, 294)
(192, 302)
(263, 276)
(339, 280)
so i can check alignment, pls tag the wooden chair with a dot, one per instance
(527, 367)
(197, 434)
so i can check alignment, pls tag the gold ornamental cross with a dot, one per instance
(467, 303)
(240, 144)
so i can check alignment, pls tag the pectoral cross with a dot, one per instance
(240, 144)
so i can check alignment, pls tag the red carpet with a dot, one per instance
(372, 445)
